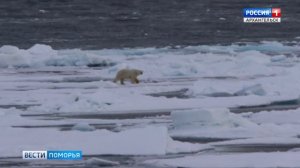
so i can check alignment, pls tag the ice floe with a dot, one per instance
(212, 123)
(83, 127)
(204, 118)
(220, 123)
(234, 60)
(100, 162)
(150, 140)
(276, 117)
(233, 160)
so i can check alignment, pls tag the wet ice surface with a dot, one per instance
(190, 102)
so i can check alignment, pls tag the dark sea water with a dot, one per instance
(96, 24)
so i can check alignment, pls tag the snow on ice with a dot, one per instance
(220, 123)
(235, 160)
(46, 82)
(139, 141)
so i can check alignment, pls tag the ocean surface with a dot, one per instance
(91, 24)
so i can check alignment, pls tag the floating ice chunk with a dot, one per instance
(7, 49)
(208, 118)
(226, 88)
(213, 89)
(206, 123)
(253, 57)
(101, 162)
(35, 56)
(182, 118)
(11, 56)
(256, 89)
(83, 127)
(276, 117)
(41, 55)
(42, 11)
(278, 58)
(42, 50)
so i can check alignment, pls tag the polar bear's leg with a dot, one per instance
(134, 79)
(122, 81)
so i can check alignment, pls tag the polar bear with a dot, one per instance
(128, 74)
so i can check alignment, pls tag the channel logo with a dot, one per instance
(262, 15)
(52, 155)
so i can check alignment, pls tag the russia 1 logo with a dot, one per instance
(262, 15)
(276, 12)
